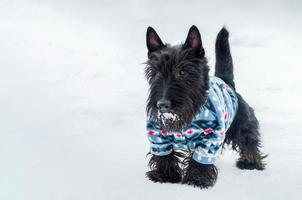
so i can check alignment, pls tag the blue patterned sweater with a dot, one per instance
(205, 135)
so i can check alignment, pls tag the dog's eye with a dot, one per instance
(181, 73)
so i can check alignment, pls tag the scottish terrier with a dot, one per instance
(191, 115)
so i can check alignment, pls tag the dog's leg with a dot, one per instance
(199, 175)
(165, 168)
(249, 143)
(245, 137)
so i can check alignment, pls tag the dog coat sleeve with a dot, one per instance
(160, 142)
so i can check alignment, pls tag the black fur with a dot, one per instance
(244, 137)
(199, 175)
(243, 134)
(224, 61)
(187, 92)
(180, 74)
(165, 168)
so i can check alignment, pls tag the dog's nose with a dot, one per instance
(164, 105)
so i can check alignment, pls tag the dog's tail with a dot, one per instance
(224, 62)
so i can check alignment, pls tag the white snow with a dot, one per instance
(171, 116)
(167, 117)
(72, 96)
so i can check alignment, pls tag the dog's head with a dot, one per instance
(178, 78)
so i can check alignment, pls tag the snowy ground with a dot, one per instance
(72, 96)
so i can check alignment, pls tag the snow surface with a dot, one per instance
(72, 96)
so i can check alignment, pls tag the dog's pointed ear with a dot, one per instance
(194, 41)
(154, 42)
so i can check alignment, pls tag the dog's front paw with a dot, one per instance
(165, 168)
(154, 176)
(158, 176)
(200, 175)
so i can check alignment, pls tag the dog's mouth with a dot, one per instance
(167, 117)
(169, 121)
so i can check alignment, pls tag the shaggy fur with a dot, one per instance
(224, 61)
(179, 75)
(165, 168)
(198, 175)
(244, 137)
(162, 72)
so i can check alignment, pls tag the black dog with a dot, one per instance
(179, 84)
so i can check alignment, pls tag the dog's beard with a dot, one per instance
(167, 119)
(171, 121)
(177, 119)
